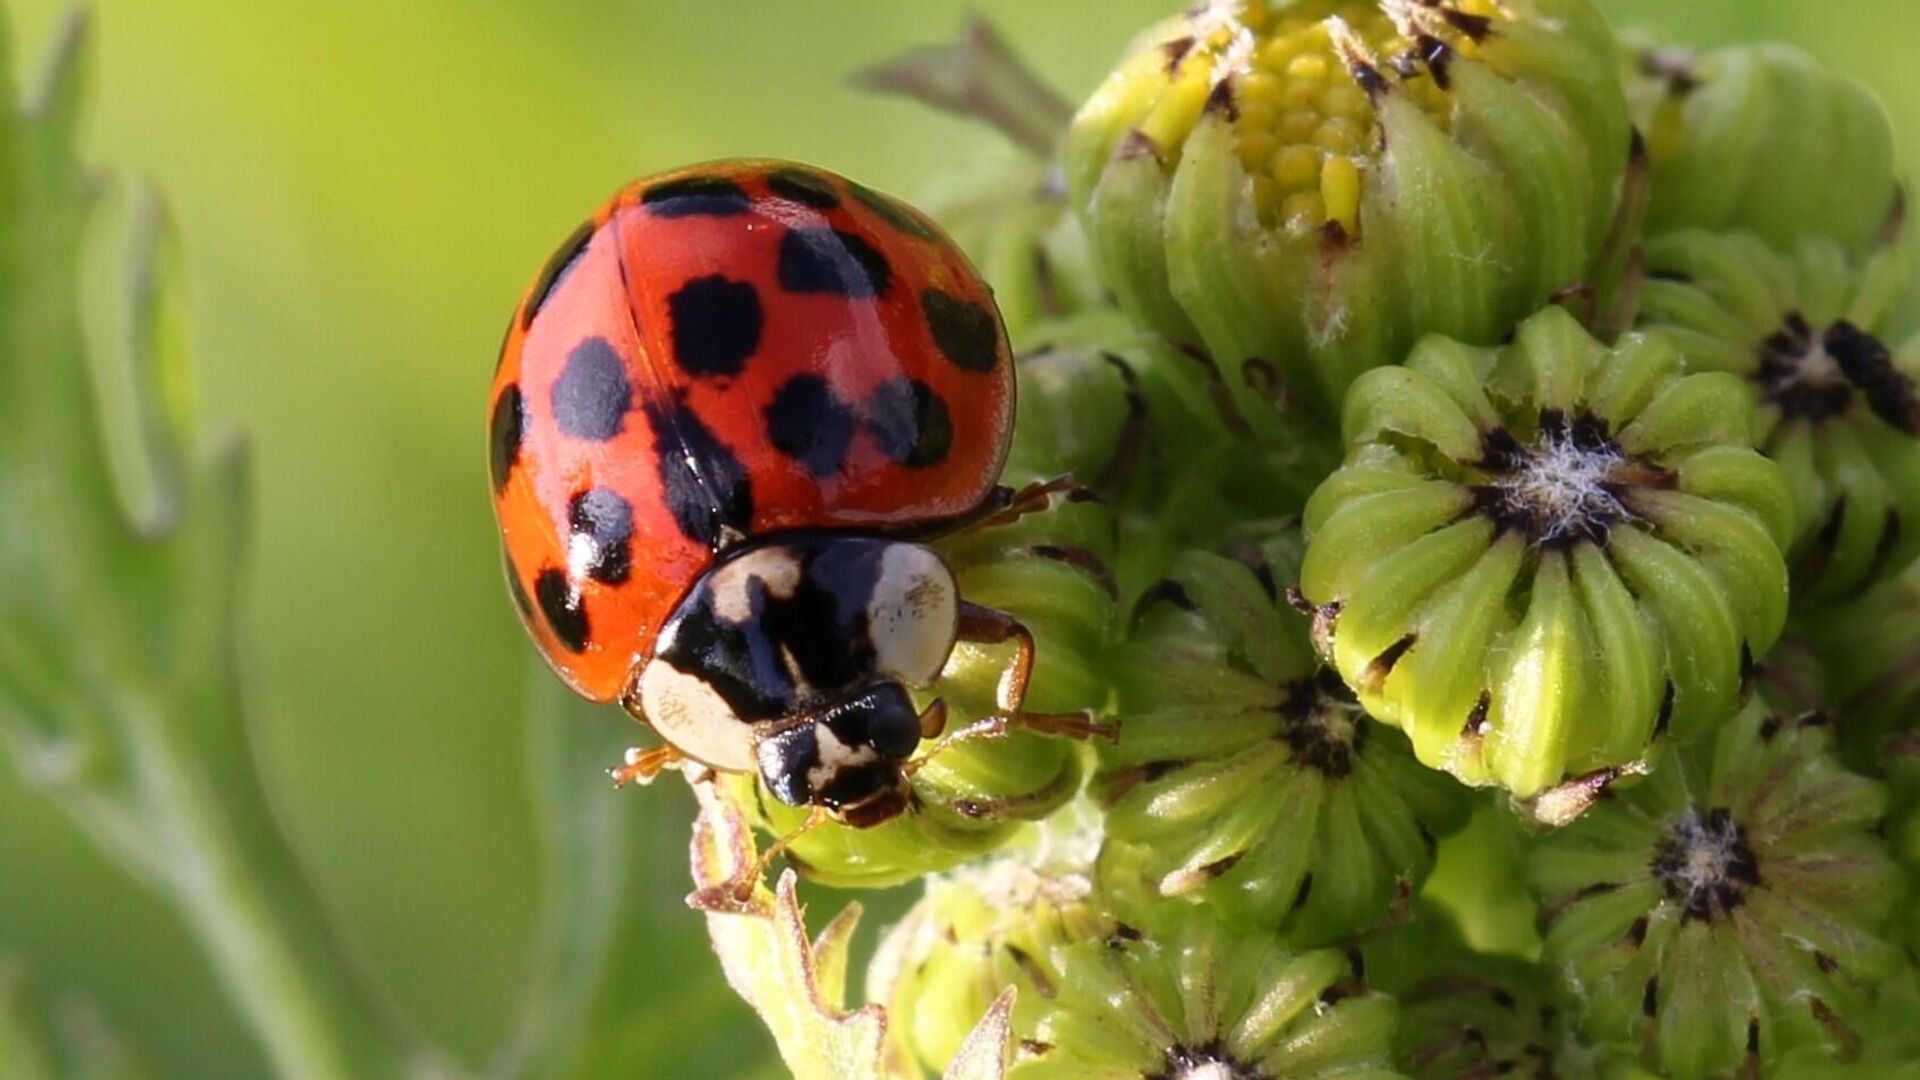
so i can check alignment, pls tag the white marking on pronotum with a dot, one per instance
(802, 689)
(834, 755)
(913, 614)
(777, 568)
(694, 719)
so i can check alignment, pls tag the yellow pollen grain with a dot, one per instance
(1340, 190)
(1345, 99)
(1340, 135)
(1257, 145)
(1303, 210)
(1173, 116)
(1305, 128)
(1308, 66)
(1296, 167)
(1278, 52)
(1298, 125)
(1299, 94)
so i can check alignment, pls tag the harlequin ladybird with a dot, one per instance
(727, 417)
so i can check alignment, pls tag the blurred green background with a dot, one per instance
(364, 187)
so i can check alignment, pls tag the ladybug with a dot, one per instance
(728, 416)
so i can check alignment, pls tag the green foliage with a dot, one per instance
(179, 724)
(117, 687)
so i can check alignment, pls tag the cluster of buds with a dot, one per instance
(1459, 410)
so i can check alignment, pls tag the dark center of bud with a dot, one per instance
(1705, 864)
(1563, 487)
(1209, 1062)
(1323, 724)
(1813, 375)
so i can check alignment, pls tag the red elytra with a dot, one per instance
(723, 352)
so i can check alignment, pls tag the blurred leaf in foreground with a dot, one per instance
(597, 1004)
(69, 1043)
(118, 571)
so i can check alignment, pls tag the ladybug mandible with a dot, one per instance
(727, 416)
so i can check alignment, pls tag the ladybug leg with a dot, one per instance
(744, 885)
(987, 626)
(1010, 506)
(642, 765)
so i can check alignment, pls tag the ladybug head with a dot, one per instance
(848, 758)
(792, 657)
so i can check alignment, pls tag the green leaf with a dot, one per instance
(988, 1050)
(118, 646)
(72, 1042)
(794, 983)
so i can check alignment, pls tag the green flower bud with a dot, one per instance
(1729, 908)
(1762, 138)
(1537, 559)
(1870, 653)
(980, 930)
(1903, 833)
(1466, 1015)
(1833, 405)
(1179, 996)
(1246, 771)
(1890, 1042)
(1304, 187)
(1151, 429)
(1048, 570)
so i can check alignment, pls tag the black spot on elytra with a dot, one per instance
(505, 432)
(910, 422)
(695, 196)
(559, 265)
(806, 188)
(823, 260)
(706, 488)
(716, 325)
(808, 422)
(591, 397)
(967, 333)
(893, 212)
(563, 608)
(601, 518)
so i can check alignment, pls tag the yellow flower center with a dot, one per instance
(1308, 131)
